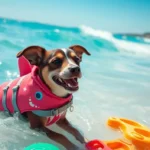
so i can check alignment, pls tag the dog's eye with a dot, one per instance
(57, 62)
(77, 60)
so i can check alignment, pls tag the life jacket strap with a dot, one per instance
(42, 113)
(53, 112)
(14, 95)
(4, 98)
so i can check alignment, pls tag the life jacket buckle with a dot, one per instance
(54, 112)
(71, 108)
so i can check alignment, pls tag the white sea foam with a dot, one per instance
(57, 30)
(11, 75)
(146, 40)
(122, 45)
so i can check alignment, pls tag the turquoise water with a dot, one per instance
(116, 78)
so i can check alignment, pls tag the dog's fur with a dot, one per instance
(63, 66)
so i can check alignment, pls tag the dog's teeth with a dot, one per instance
(60, 80)
(69, 85)
(74, 80)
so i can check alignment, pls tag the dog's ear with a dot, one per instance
(34, 54)
(79, 50)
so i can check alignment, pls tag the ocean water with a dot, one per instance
(116, 78)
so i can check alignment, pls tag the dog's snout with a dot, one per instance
(74, 69)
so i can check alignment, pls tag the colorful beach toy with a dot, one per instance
(135, 132)
(41, 146)
(97, 145)
(120, 145)
(136, 136)
(109, 145)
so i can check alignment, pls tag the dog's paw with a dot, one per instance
(81, 139)
(78, 148)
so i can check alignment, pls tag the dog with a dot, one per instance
(43, 92)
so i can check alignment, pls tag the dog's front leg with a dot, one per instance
(61, 139)
(38, 122)
(66, 125)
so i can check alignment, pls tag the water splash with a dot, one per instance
(121, 45)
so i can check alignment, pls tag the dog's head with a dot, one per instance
(59, 69)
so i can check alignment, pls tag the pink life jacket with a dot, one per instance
(29, 93)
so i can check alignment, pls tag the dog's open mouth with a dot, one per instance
(69, 84)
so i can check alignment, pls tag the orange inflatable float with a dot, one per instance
(109, 145)
(138, 134)
(120, 145)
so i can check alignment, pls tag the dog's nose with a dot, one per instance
(74, 69)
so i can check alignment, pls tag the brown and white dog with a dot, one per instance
(59, 70)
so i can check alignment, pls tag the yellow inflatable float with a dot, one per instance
(135, 136)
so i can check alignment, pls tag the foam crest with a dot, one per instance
(122, 45)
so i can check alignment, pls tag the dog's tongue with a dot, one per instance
(72, 82)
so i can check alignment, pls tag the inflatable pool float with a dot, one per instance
(41, 146)
(119, 145)
(109, 145)
(97, 145)
(135, 136)
(137, 133)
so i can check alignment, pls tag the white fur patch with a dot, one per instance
(68, 59)
(57, 89)
(70, 63)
